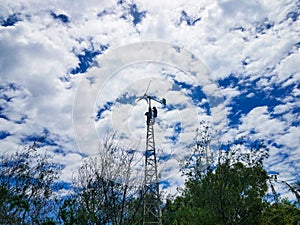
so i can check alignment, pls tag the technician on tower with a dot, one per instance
(154, 113)
(149, 115)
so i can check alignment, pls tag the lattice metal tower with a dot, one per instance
(152, 214)
(152, 211)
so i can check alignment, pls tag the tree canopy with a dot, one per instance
(227, 187)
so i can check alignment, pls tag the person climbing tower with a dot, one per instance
(154, 113)
(149, 115)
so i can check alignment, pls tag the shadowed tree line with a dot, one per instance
(229, 187)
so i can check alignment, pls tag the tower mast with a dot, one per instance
(152, 214)
(152, 211)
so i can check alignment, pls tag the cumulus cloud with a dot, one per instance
(61, 71)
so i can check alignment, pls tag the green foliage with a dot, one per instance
(231, 194)
(26, 182)
(181, 212)
(228, 192)
(69, 211)
(284, 213)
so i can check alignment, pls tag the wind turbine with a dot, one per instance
(148, 98)
(151, 196)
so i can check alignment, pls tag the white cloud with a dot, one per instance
(71, 162)
(258, 119)
(291, 138)
(39, 50)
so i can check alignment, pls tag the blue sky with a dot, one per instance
(73, 70)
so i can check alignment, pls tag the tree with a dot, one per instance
(204, 157)
(281, 214)
(198, 162)
(294, 188)
(229, 190)
(228, 195)
(181, 212)
(106, 190)
(26, 187)
(231, 194)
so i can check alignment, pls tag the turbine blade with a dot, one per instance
(139, 99)
(148, 87)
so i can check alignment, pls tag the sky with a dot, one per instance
(72, 71)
